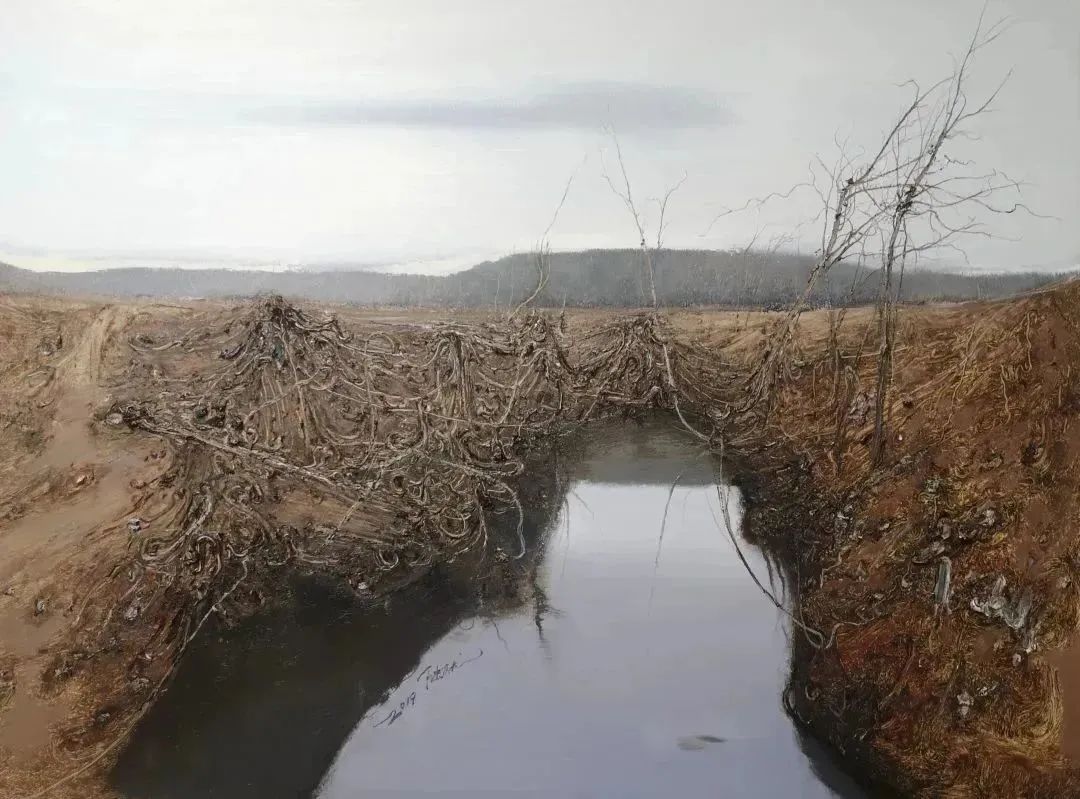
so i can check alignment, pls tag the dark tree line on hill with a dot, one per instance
(593, 278)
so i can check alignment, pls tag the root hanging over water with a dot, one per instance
(407, 440)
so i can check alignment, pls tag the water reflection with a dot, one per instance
(625, 664)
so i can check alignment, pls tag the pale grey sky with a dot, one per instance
(442, 132)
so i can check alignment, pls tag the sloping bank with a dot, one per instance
(945, 585)
(932, 592)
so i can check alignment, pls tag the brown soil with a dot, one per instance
(984, 459)
(984, 469)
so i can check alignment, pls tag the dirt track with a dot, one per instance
(63, 504)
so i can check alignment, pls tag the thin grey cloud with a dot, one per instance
(626, 106)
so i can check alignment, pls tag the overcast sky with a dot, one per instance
(441, 132)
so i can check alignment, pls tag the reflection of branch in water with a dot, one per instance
(769, 575)
(775, 575)
(685, 503)
(660, 539)
(566, 548)
(540, 605)
(814, 637)
(495, 624)
(663, 521)
(577, 496)
(541, 610)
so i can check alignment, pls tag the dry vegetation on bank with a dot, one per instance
(248, 440)
(224, 443)
(951, 573)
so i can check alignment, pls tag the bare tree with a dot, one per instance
(932, 200)
(627, 196)
(850, 216)
(910, 195)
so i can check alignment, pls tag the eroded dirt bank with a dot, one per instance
(945, 583)
(162, 463)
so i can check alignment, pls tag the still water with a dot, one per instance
(638, 659)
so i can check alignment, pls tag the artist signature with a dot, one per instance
(428, 677)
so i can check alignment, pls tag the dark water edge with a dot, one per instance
(314, 696)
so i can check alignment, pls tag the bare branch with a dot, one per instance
(543, 249)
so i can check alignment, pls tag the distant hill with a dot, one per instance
(589, 278)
